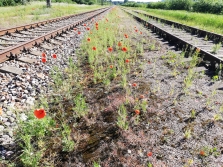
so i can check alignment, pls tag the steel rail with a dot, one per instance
(10, 52)
(36, 24)
(193, 30)
(178, 41)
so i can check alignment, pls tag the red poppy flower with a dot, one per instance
(149, 154)
(75, 29)
(141, 96)
(84, 24)
(119, 44)
(89, 39)
(126, 36)
(110, 49)
(43, 54)
(79, 32)
(96, 24)
(43, 59)
(137, 112)
(124, 49)
(96, 28)
(54, 56)
(202, 153)
(127, 61)
(111, 66)
(136, 30)
(94, 48)
(140, 32)
(40, 113)
(88, 28)
(134, 84)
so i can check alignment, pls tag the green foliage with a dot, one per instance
(172, 5)
(24, 2)
(202, 6)
(157, 5)
(122, 118)
(7, 3)
(134, 4)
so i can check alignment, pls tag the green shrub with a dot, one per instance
(208, 7)
(179, 4)
(157, 5)
(202, 6)
(8, 3)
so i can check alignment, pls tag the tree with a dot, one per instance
(48, 3)
(125, 1)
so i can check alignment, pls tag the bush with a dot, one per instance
(157, 5)
(202, 6)
(208, 7)
(8, 3)
(179, 4)
(133, 4)
(90, 3)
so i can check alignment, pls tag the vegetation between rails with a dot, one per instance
(49, 129)
(37, 11)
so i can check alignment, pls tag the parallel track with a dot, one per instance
(183, 36)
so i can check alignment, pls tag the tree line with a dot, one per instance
(23, 2)
(202, 6)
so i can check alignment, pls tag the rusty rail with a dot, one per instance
(10, 52)
(180, 43)
(33, 25)
(193, 30)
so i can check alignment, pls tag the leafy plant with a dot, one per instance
(149, 165)
(122, 118)
(193, 113)
(80, 106)
(216, 47)
(187, 134)
(96, 164)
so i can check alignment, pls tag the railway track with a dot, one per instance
(13, 40)
(24, 74)
(182, 36)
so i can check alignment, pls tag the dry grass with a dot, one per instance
(37, 11)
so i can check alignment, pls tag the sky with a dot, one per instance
(140, 0)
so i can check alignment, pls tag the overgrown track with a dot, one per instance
(15, 40)
(185, 37)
